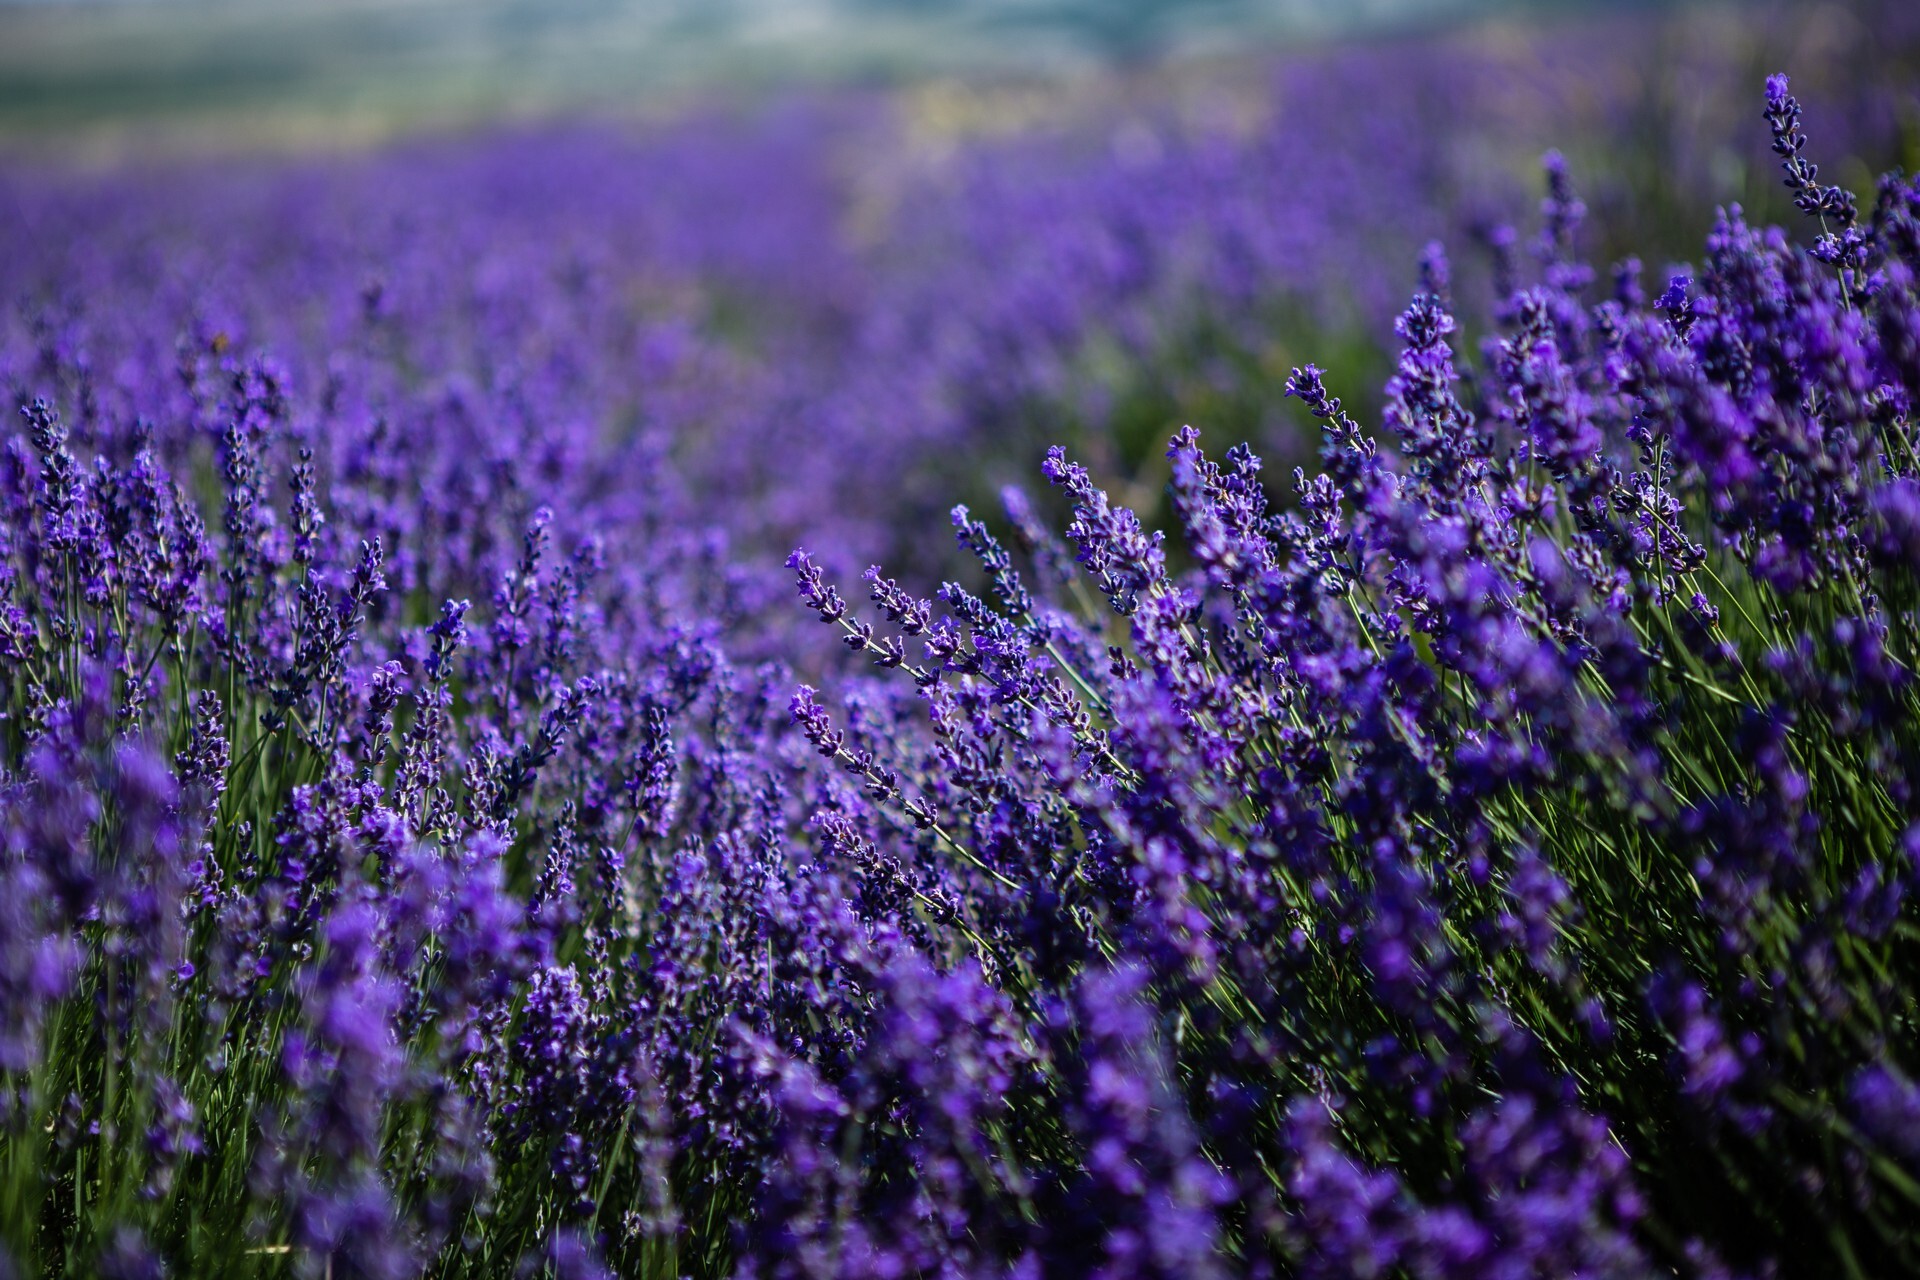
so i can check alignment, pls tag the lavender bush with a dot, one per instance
(418, 858)
(1495, 864)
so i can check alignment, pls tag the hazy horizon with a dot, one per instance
(70, 66)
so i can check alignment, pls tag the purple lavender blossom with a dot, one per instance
(1493, 853)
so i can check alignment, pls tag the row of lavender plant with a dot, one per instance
(1496, 864)
(1500, 862)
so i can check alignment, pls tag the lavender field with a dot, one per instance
(1301, 671)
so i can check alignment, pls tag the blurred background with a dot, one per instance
(819, 268)
(325, 69)
(332, 71)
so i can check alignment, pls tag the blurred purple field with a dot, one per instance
(830, 314)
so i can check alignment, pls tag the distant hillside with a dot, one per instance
(378, 64)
